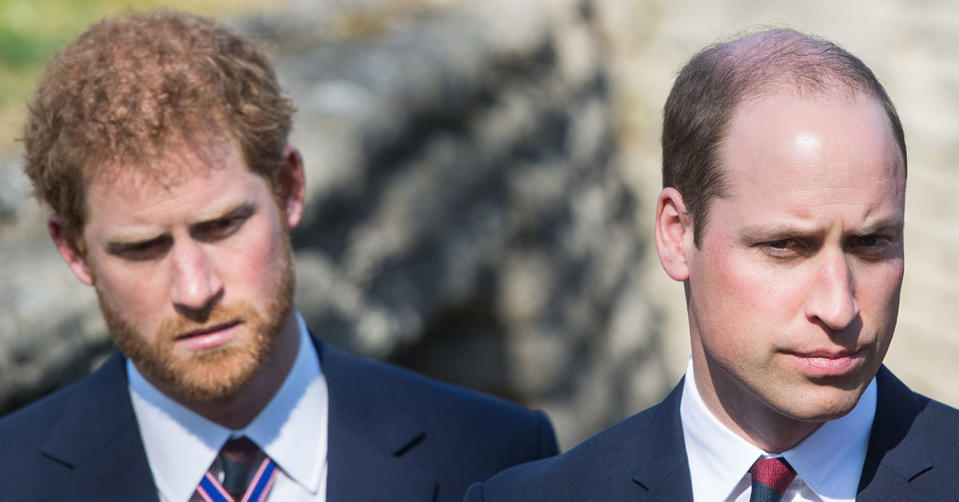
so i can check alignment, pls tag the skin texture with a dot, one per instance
(191, 264)
(793, 294)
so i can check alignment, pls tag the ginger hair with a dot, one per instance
(133, 86)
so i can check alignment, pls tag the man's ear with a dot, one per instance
(674, 233)
(290, 185)
(70, 245)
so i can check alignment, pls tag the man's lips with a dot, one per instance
(208, 337)
(826, 353)
(828, 362)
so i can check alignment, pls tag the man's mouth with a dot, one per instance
(825, 363)
(209, 336)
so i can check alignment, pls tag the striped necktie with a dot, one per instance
(241, 473)
(771, 478)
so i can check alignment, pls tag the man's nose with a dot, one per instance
(195, 285)
(832, 299)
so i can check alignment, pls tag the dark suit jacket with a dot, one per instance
(913, 454)
(393, 436)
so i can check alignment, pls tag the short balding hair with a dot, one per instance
(720, 77)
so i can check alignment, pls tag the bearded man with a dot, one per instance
(159, 140)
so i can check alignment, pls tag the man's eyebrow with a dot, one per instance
(772, 233)
(123, 243)
(138, 236)
(134, 235)
(779, 232)
(237, 209)
(886, 225)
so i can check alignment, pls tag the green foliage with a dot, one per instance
(20, 50)
(31, 31)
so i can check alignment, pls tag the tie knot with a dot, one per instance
(237, 457)
(775, 473)
(240, 449)
(240, 472)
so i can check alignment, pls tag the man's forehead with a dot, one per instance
(787, 122)
(167, 166)
(210, 179)
(788, 154)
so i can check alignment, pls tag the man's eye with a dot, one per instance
(221, 228)
(783, 248)
(145, 250)
(872, 246)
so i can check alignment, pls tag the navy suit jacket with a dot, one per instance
(913, 454)
(393, 436)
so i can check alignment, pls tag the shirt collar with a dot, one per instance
(829, 461)
(292, 428)
(180, 445)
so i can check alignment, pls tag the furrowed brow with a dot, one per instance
(890, 225)
(245, 207)
(772, 233)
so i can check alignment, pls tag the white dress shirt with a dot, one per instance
(828, 462)
(180, 445)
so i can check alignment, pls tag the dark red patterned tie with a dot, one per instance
(771, 478)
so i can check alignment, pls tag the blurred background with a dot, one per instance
(482, 176)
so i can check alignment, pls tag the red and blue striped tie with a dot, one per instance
(771, 478)
(240, 482)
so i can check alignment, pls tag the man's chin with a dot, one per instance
(216, 375)
(821, 405)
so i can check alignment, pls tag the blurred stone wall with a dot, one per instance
(468, 218)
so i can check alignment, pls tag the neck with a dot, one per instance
(237, 411)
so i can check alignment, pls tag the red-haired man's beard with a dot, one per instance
(214, 373)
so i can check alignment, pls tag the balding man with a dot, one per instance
(784, 174)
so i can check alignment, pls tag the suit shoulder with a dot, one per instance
(390, 384)
(913, 411)
(913, 438)
(24, 435)
(442, 408)
(593, 470)
(941, 425)
(458, 435)
(942, 412)
(102, 394)
(24, 429)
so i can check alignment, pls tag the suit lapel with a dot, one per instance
(97, 435)
(367, 440)
(662, 468)
(896, 455)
